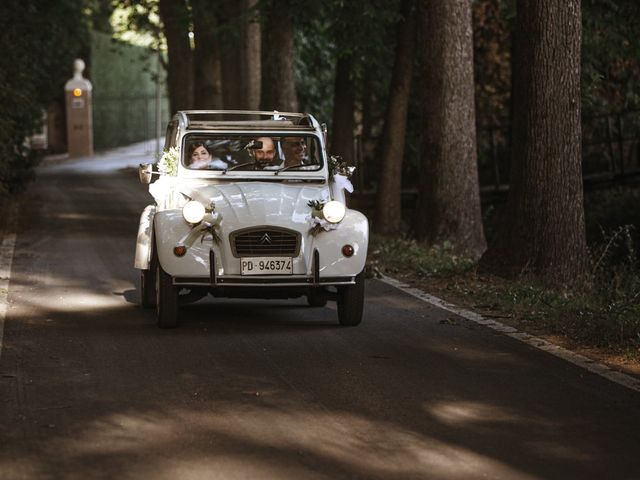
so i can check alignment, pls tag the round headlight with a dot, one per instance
(334, 211)
(193, 212)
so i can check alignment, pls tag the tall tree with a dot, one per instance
(207, 81)
(388, 208)
(239, 33)
(176, 18)
(252, 66)
(278, 90)
(344, 102)
(544, 230)
(448, 207)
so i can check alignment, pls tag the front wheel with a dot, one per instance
(166, 299)
(351, 302)
(148, 284)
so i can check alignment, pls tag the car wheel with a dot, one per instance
(148, 284)
(166, 299)
(351, 302)
(316, 298)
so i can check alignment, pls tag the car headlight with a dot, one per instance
(193, 212)
(334, 211)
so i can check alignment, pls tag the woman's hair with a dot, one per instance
(195, 145)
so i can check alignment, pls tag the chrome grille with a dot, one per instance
(265, 242)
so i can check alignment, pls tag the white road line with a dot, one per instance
(536, 342)
(6, 258)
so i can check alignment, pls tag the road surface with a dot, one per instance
(90, 388)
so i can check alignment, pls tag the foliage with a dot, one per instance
(611, 55)
(39, 41)
(124, 92)
(140, 18)
(315, 68)
(361, 31)
(492, 21)
(611, 209)
(403, 254)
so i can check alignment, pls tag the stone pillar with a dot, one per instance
(79, 113)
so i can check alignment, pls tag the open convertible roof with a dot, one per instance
(246, 119)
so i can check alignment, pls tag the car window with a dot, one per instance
(258, 152)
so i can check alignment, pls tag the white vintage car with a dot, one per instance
(249, 205)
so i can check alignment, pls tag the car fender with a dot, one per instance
(144, 243)
(170, 230)
(354, 231)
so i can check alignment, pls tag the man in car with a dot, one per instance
(294, 150)
(264, 156)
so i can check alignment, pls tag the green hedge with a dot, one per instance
(124, 92)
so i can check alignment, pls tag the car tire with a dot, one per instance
(166, 299)
(148, 284)
(351, 302)
(316, 298)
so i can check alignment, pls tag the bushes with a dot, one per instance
(39, 40)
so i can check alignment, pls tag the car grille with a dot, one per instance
(265, 242)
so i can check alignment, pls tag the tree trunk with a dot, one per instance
(231, 54)
(544, 231)
(343, 107)
(278, 83)
(175, 17)
(240, 57)
(448, 207)
(251, 72)
(208, 76)
(388, 207)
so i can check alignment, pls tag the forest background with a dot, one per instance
(371, 69)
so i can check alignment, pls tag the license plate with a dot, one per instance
(266, 266)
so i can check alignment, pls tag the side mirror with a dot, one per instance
(144, 172)
(324, 133)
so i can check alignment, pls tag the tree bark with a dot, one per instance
(231, 54)
(207, 71)
(240, 57)
(343, 109)
(388, 202)
(544, 232)
(448, 207)
(278, 83)
(252, 71)
(175, 18)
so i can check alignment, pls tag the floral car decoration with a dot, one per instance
(249, 204)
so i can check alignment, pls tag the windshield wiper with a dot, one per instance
(246, 164)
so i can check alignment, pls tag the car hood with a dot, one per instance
(259, 203)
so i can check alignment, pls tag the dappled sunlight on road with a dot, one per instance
(51, 295)
(241, 439)
(462, 413)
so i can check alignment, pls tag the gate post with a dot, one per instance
(77, 93)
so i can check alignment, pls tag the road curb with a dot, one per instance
(6, 259)
(536, 342)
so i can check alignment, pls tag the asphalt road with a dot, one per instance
(90, 388)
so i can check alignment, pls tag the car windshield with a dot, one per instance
(269, 153)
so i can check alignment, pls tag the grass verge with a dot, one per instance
(601, 321)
